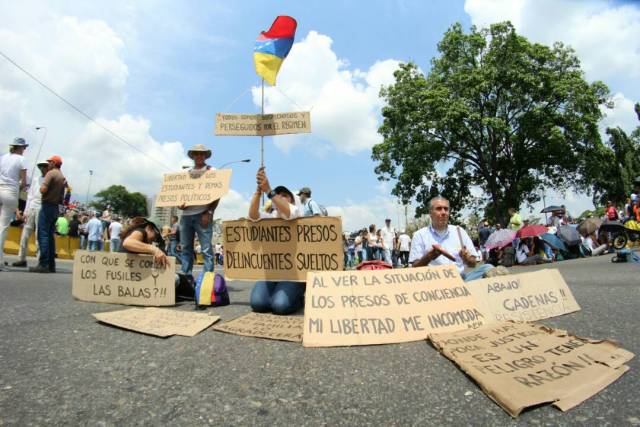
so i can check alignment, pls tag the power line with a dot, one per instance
(78, 110)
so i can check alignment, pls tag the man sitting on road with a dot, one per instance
(441, 243)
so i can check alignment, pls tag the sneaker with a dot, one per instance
(19, 264)
(496, 271)
(38, 269)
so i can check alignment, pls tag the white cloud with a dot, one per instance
(344, 102)
(622, 114)
(82, 60)
(605, 37)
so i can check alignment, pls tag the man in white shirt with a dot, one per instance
(387, 233)
(94, 232)
(405, 247)
(441, 243)
(114, 235)
(30, 215)
(13, 178)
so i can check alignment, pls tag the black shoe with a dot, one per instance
(38, 269)
(19, 264)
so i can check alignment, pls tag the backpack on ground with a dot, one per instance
(211, 289)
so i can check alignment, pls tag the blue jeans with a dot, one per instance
(477, 272)
(173, 245)
(277, 297)
(189, 226)
(114, 246)
(46, 235)
(94, 245)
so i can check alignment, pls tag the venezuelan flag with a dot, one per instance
(273, 46)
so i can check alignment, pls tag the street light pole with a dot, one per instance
(89, 187)
(33, 170)
(235, 161)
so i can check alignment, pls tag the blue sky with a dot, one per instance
(158, 72)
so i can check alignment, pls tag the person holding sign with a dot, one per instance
(197, 219)
(437, 244)
(282, 297)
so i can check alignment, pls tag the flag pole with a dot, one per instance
(262, 136)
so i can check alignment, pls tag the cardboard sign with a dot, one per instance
(385, 306)
(161, 322)
(277, 249)
(193, 188)
(229, 124)
(119, 278)
(524, 297)
(264, 325)
(520, 365)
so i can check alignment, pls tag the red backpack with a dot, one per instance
(373, 265)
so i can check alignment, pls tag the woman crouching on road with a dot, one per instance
(282, 297)
(143, 237)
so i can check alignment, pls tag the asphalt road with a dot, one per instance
(60, 366)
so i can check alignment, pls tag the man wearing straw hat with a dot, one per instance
(13, 178)
(197, 219)
(30, 215)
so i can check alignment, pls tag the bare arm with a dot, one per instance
(254, 205)
(133, 243)
(23, 179)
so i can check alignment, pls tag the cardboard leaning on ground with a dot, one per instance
(385, 306)
(193, 188)
(119, 278)
(524, 297)
(519, 365)
(278, 249)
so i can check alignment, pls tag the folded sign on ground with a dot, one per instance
(119, 278)
(520, 365)
(277, 249)
(161, 322)
(524, 297)
(385, 306)
(264, 325)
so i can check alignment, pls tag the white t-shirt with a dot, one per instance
(10, 166)
(405, 242)
(522, 253)
(114, 230)
(294, 212)
(197, 209)
(387, 233)
(34, 197)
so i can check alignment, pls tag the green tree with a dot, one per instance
(121, 201)
(498, 111)
(615, 165)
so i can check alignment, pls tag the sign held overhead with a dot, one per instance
(232, 124)
(192, 188)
